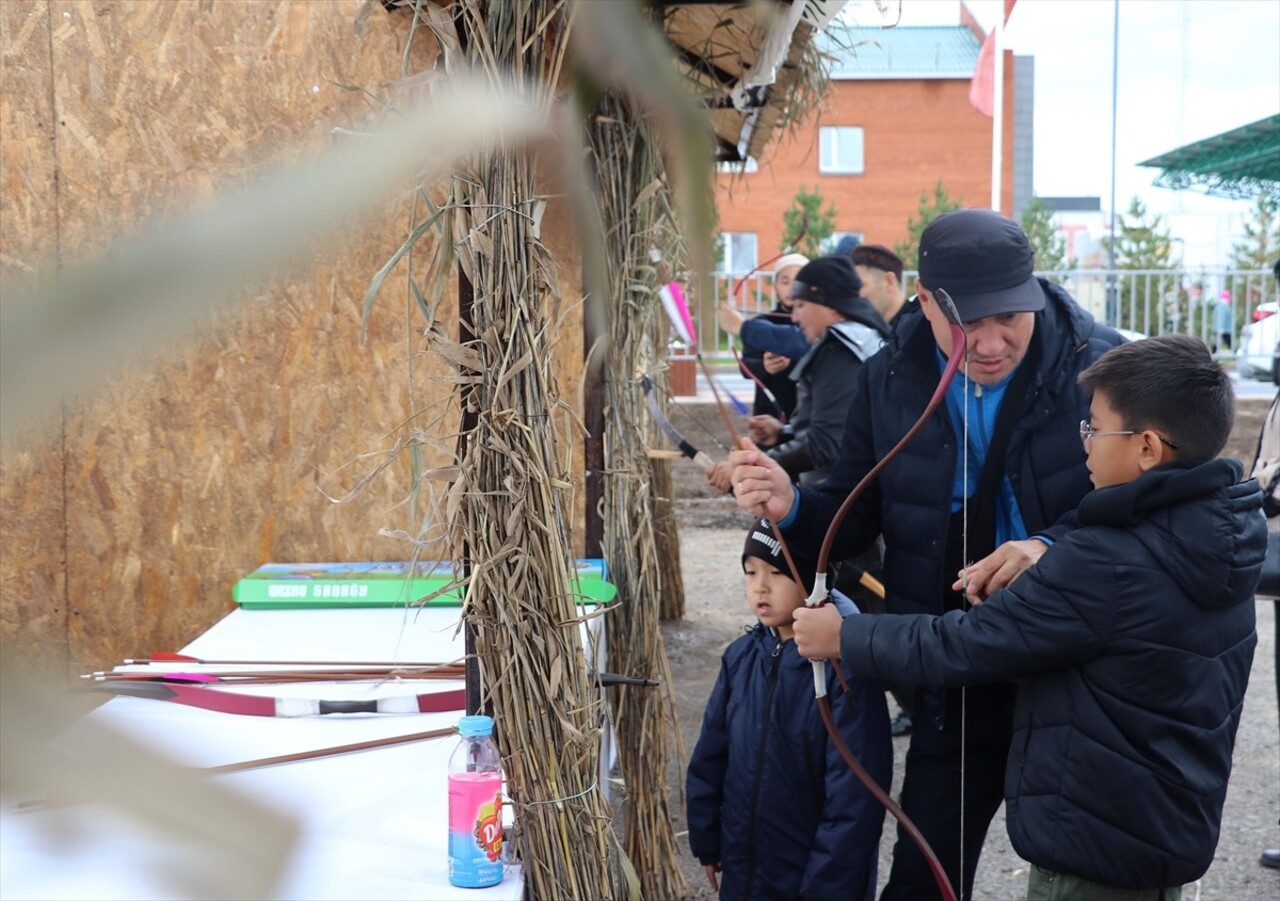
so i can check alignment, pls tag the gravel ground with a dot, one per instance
(711, 535)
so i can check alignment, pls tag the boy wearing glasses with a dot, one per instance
(1131, 639)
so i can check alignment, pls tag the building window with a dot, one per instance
(737, 251)
(747, 165)
(840, 150)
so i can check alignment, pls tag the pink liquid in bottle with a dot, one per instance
(475, 807)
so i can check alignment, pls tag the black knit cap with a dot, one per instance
(983, 260)
(763, 544)
(830, 281)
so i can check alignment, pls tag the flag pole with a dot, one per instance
(997, 114)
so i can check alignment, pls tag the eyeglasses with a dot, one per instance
(1087, 432)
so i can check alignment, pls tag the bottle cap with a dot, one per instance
(475, 726)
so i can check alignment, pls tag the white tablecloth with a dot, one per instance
(373, 824)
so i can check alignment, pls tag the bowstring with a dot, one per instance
(673, 404)
(964, 596)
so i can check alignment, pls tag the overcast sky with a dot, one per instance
(1189, 69)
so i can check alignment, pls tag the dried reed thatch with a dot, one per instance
(513, 487)
(666, 539)
(507, 505)
(635, 204)
(506, 515)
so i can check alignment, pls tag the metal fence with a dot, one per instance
(1214, 305)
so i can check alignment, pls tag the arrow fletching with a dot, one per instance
(677, 310)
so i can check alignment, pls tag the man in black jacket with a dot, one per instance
(1018, 405)
(1131, 638)
(842, 329)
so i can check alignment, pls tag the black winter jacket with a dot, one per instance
(910, 502)
(1132, 637)
(769, 796)
(825, 380)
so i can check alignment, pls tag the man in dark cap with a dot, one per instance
(988, 480)
(842, 329)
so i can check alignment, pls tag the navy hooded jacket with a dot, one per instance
(1131, 640)
(768, 795)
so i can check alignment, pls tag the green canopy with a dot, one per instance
(1241, 163)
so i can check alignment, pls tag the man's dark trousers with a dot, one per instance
(931, 788)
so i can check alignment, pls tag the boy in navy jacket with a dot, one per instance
(1131, 639)
(771, 805)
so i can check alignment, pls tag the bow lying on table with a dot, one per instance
(196, 690)
(334, 751)
(171, 657)
(210, 698)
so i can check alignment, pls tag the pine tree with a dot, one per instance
(805, 224)
(1260, 246)
(1143, 243)
(1258, 249)
(1049, 244)
(930, 208)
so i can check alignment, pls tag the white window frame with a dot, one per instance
(744, 166)
(841, 150)
(730, 261)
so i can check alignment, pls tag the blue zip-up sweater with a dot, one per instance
(983, 402)
(768, 795)
(911, 501)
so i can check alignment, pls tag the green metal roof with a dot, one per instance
(946, 51)
(1243, 162)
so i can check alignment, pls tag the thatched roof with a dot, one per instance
(751, 63)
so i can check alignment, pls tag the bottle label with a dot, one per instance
(475, 829)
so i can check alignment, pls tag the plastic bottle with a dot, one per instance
(475, 806)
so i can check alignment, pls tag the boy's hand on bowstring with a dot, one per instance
(712, 869)
(817, 632)
(998, 570)
(759, 483)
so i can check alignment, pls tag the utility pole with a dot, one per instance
(1111, 244)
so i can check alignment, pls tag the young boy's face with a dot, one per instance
(772, 595)
(1116, 454)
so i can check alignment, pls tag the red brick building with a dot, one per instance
(897, 119)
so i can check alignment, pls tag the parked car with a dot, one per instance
(1259, 355)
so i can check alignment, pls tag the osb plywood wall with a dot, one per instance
(124, 524)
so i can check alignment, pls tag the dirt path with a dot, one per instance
(712, 531)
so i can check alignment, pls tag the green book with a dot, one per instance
(279, 586)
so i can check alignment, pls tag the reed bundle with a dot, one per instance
(513, 490)
(635, 204)
(507, 507)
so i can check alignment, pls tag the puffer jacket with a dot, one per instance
(825, 384)
(1131, 640)
(768, 795)
(910, 502)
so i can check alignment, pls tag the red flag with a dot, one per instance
(982, 88)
